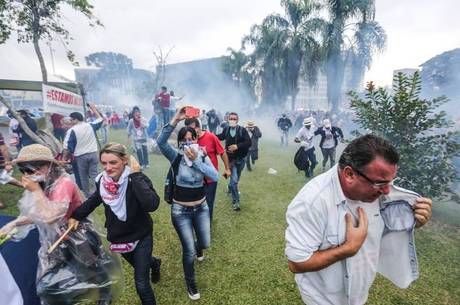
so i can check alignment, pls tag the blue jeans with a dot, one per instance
(105, 134)
(211, 189)
(328, 153)
(186, 221)
(87, 165)
(141, 259)
(142, 154)
(236, 168)
(165, 114)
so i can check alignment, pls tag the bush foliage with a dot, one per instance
(424, 137)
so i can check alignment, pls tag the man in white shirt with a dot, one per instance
(80, 141)
(330, 136)
(305, 138)
(335, 240)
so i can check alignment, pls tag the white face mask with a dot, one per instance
(232, 123)
(37, 178)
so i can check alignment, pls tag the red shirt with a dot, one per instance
(56, 120)
(164, 102)
(212, 145)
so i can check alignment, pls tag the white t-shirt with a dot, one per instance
(172, 102)
(329, 141)
(306, 137)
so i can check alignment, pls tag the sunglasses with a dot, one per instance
(31, 167)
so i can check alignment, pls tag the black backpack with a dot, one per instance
(170, 182)
(301, 159)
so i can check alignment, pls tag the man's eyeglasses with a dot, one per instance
(375, 184)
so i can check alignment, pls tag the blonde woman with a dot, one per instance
(128, 198)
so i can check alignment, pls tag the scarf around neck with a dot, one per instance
(114, 193)
(137, 123)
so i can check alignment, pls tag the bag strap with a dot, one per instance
(175, 166)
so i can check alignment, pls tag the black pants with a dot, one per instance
(211, 189)
(142, 261)
(312, 158)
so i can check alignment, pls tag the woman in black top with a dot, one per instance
(128, 196)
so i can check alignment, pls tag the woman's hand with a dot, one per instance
(7, 228)
(73, 223)
(135, 166)
(29, 184)
(191, 153)
(179, 116)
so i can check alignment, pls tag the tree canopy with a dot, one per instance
(37, 20)
(424, 137)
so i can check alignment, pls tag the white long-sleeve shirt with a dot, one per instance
(306, 137)
(316, 221)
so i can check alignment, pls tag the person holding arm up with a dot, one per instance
(189, 210)
(128, 198)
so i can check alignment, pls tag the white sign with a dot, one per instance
(56, 100)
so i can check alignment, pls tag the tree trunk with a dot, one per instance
(41, 60)
(36, 39)
(21, 122)
(293, 99)
(335, 65)
(335, 74)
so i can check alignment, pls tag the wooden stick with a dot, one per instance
(54, 246)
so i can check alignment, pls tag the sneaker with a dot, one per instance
(155, 271)
(147, 166)
(193, 291)
(236, 206)
(200, 255)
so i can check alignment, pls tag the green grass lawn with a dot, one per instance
(246, 262)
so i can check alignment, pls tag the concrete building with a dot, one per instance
(315, 98)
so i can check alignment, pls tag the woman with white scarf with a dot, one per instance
(128, 197)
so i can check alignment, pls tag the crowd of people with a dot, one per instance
(341, 225)
(125, 192)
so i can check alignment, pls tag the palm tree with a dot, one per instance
(233, 64)
(352, 36)
(284, 46)
(368, 39)
(237, 67)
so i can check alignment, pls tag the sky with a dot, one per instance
(417, 30)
